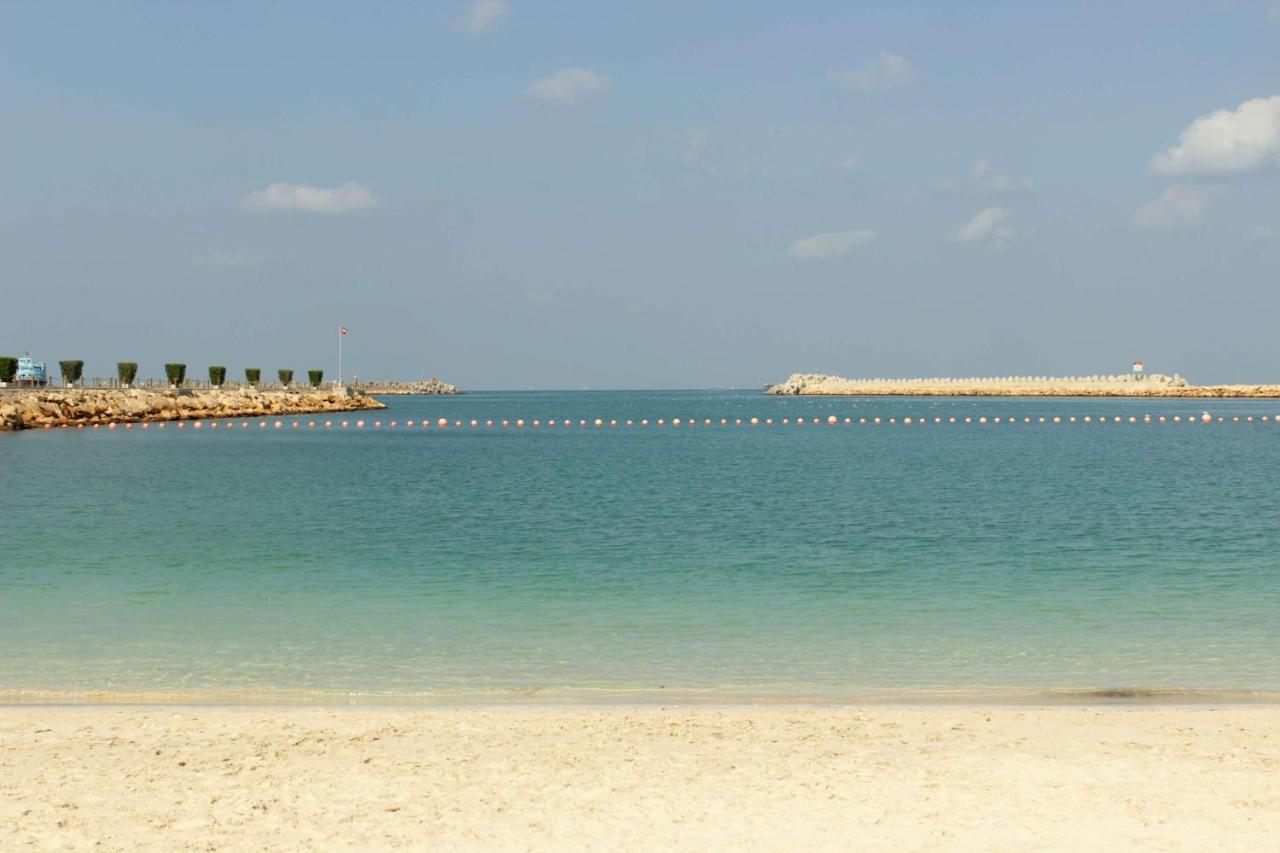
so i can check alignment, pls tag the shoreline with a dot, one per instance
(40, 408)
(602, 699)
(972, 777)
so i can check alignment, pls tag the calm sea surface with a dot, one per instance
(769, 561)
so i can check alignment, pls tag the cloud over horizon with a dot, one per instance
(1226, 141)
(569, 86)
(1178, 206)
(987, 226)
(830, 244)
(351, 197)
(885, 72)
(482, 15)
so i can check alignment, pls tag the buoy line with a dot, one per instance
(231, 424)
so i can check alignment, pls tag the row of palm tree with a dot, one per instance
(127, 372)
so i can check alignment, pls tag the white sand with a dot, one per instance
(877, 778)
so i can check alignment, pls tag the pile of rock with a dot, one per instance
(31, 409)
(1123, 385)
(426, 386)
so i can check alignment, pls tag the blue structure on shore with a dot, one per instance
(31, 372)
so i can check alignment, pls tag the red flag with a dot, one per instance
(342, 330)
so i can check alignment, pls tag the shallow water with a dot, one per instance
(769, 561)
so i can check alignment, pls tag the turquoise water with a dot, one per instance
(780, 561)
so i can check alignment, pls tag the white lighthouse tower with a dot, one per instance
(1139, 370)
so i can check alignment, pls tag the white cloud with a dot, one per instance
(350, 197)
(887, 71)
(1179, 205)
(850, 163)
(223, 260)
(483, 14)
(1259, 233)
(987, 179)
(569, 86)
(696, 145)
(830, 245)
(988, 226)
(1238, 140)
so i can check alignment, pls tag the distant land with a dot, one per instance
(1124, 385)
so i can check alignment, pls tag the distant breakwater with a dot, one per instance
(38, 408)
(1125, 385)
(426, 387)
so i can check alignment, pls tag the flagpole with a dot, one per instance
(339, 356)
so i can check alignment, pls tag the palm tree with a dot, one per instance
(217, 375)
(252, 375)
(315, 377)
(286, 376)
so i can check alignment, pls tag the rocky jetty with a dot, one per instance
(36, 408)
(1124, 385)
(426, 386)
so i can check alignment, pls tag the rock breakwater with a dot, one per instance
(36, 408)
(426, 386)
(1124, 385)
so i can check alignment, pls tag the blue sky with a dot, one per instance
(663, 194)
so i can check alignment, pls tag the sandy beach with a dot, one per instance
(641, 778)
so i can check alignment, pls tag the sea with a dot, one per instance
(701, 562)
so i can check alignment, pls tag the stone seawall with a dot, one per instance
(36, 408)
(1154, 385)
(426, 387)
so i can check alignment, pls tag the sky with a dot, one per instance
(669, 194)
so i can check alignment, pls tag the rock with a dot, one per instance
(29, 408)
(1125, 385)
